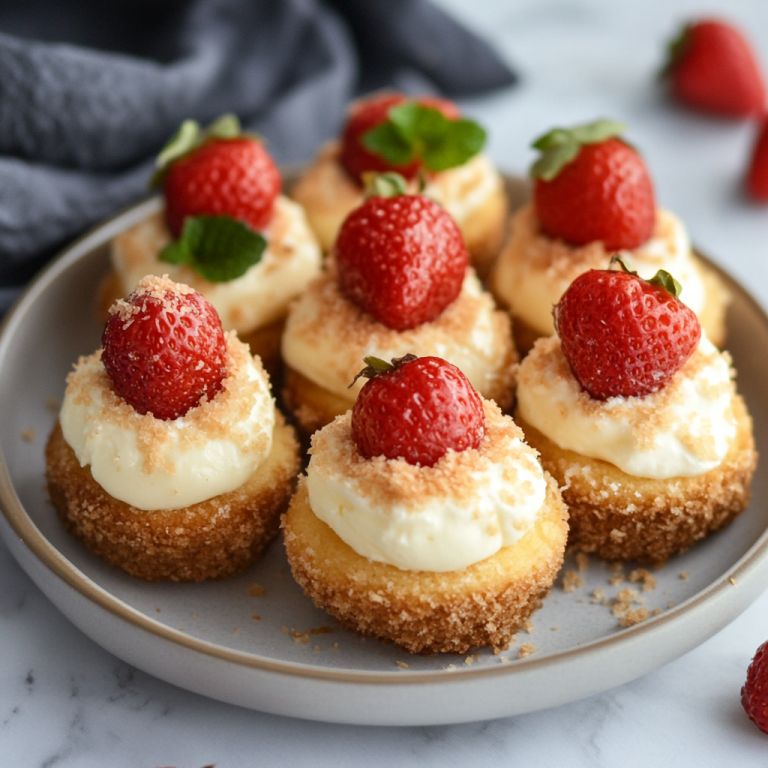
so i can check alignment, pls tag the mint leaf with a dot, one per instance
(218, 248)
(415, 132)
(385, 141)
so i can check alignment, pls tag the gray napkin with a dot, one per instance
(89, 92)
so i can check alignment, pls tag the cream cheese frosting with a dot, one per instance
(329, 194)
(153, 464)
(441, 518)
(534, 270)
(682, 430)
(259, 297)
(327, 336)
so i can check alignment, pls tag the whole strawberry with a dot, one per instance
(589, 185)
(417, 409)
(757, 174)
(754, 694)
(164, 348)
(391, 132)
(712, 67)
(400, 258)
(622, 335)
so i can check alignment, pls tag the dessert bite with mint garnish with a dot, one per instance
(394, 133)
(220, 186)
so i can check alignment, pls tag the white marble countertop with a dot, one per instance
(65, 702)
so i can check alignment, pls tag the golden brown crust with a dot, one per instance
(210, 540)
(484, 231)
(620, 517)
(422, 611)
(712, 316)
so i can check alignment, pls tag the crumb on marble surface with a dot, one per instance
(645, 577)
(526, 649)
(28, 434)
(256, 590)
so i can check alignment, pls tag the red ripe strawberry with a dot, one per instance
(712, 67)
(367, 114)
(590, 185)
(754, 694)
(757, 175)
(622, 335)
(402, 259)
(234, 177)
(164, 348)
(418, 409)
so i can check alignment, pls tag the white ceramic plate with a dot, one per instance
(277, 653)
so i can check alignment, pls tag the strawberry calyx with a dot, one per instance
(389, 184)
(189, 137)
(375, 367)
(560, 146)
(675, 50)
(662, 278)
(414, 131)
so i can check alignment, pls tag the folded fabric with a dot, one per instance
(91, 91)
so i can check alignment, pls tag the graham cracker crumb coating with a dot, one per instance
(427, 612)
(621, 517)
(213, 539)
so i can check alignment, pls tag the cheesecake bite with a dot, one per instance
(226, 231)
(397, 282)
(423, 138)
(593, 197)
(424, 519)
(635, 414)
(169, 459)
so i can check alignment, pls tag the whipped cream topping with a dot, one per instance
(327, 336)
(682, 430)
(534, 270)
(329, 194)
(153, 464)
(260, 296)
(441, 518)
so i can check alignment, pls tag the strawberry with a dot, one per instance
(757, 175)
(754, 694)
(164, 348)
(622, 335)
(590, 185)
(233, 177)
(712, 67)
(417, 409)
(402, 259)
(400, 150)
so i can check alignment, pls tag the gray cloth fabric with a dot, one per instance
(89, 92)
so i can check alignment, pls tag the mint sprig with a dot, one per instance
(188, 137)
(560, 146)
(416, 132)
(218, 248)
(662, 279)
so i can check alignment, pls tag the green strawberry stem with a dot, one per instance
(675, 49)
(375, 366)
(560, 146)
(388, 184)
(416, 132)
(662, 278)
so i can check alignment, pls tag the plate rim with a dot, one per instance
(48, 555)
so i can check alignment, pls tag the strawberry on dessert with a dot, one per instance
(225, 230)
(170, 460)
(712, 68)
(592, 197)
(428, 142)
(397, 281)
(635, 413)
(424, 519)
